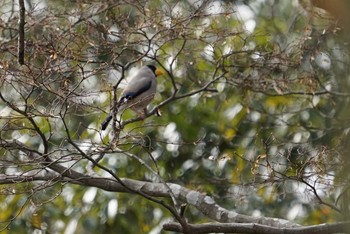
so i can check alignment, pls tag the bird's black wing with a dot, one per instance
(128, 95)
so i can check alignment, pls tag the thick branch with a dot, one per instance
(341, 227)
(203, 203)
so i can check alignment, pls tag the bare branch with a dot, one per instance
(325, 228)
(21, 32)
(203, 203)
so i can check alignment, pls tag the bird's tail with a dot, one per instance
(105, 123)
(120, 107)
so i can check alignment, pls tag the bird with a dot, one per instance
(138, 93)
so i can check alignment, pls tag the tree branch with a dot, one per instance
(258, 228)
(203, 203)
(21, 32)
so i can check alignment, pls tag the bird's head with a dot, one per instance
(156, 71)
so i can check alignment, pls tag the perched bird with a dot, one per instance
(138, 93)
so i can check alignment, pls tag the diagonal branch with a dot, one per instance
(203, 203)
(341, 227)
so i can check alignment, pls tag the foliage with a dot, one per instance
(254, 109)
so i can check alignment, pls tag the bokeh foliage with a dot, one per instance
(255, 112)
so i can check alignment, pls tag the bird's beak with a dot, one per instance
(159, 72)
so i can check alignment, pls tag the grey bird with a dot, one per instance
(138, 93)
